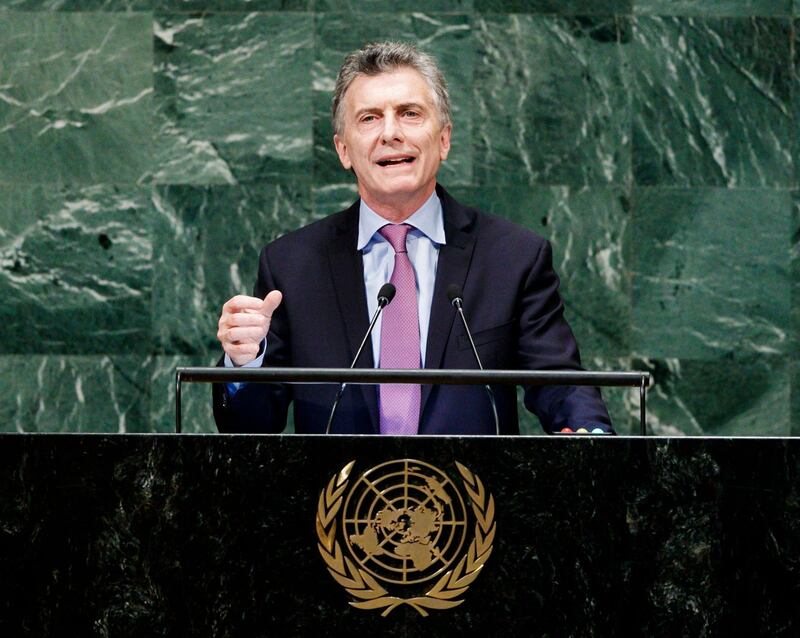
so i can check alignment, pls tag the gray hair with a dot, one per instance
(383, 57)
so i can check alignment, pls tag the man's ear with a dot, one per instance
(341, 151)
(444, 141)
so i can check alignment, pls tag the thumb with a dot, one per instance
(271, 302)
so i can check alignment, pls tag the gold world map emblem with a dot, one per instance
(409, 536)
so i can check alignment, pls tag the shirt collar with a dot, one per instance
(428, 219)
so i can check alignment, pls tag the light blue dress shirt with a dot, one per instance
(423, 243)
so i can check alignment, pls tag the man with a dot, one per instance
(317, 287)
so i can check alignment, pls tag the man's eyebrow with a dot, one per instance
(411, 105)
(400, 107)
(367, 109)
(403, 105)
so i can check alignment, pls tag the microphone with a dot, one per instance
(385, 296)
(454, 295)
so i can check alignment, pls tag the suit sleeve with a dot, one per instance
(259, 407)
(547, 343)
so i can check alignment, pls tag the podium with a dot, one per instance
(219, 535)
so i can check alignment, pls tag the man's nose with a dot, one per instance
(392, 131)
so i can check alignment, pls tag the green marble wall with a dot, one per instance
(150, 147)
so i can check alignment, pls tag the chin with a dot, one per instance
(399, 191)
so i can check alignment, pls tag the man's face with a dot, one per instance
(392, 138)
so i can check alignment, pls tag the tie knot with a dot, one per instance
(396, 234)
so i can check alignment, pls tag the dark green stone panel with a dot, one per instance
(711, 272)
(552, 104)
(76, 92)
(76, 5)
(795, 402)
(795, 277)
(718, 397)
(796, 93)
(761, 8)
(197, 415)
(446, 37)
(589, 230)
(206, 247)
(564, 7)
(333, 198)
(232, 5)
(233, 97)
(75, 270)
(74, 393)
(712, 102)
(393, 6)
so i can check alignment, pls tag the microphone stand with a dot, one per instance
(385, 295)
(458, 304)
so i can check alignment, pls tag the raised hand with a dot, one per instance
(244, 323)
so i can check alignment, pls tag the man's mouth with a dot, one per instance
(396, 161)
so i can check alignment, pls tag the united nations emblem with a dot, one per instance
(409, 537)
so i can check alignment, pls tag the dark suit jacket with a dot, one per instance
(511, 301)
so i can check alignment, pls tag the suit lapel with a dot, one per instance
(347, 272)
(452, 267)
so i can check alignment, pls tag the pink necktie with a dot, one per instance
(400, 340)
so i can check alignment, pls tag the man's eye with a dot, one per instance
(368, 118)
(411, 114)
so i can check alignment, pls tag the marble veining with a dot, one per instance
(393, 6)
(700, 86)
(566, 7)
(552, 106)
(196, 412)
(76, 393)
(75, 269)
(233, 102)
(75, 90)
(711, 272)
(727, 8)
(727, 397)
(77, 5)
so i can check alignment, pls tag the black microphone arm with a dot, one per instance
(385, 296)
(454, 295)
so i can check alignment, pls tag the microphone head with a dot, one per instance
(386, 294)
(454, 293)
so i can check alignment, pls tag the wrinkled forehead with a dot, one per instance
(401, 86)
